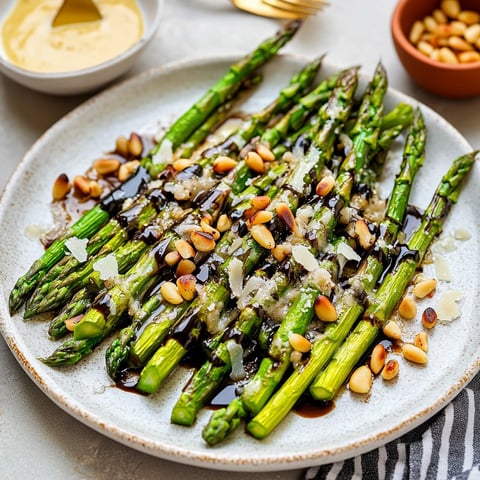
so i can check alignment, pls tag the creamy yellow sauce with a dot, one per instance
(30, 41)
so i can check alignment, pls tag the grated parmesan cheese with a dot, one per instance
(235, 352)
(442, 269)
(235, 276)
(304, 257)
(448, 308)
(164, 154)
(77, 247)
(107, 267)
(348, 252)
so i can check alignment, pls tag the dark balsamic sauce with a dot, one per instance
(131, 187)
(306, 407)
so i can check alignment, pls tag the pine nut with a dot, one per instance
(451, 8)
(390, 370)
(458, 28)
(106, 166)
(187, 286)
(71, 322)
(61, 187)
(172, 258)
(429, 318)
(407, 308)
(377, 359)
(414, 354)
(262, 235)
(325, 310)
(435, 55)
(262, 216)
(223, 223)
(135, 145)
(430, 24)
(425, 48)
(260, 202)
(184, 249)
(299, 342)
(249, 213)
(185, 267)
(469, 17)
(224, 164)
(255, 162)
(207, 228)
(95, 189)
(416, 32)
(127, 169)
(365, 238)
(325, 186)
(421, 341)
(286, 216)
(424, 287)
(392, 330)
(121, 146)
(439, 16)
(266, 154)
(458, 43)
(182, 163)
(472, 33)
(202, 241)
(280, 252)
(81, 185)
(170, 293)
(295, 358)
(444, 30)
(361, 380)
(468, 57)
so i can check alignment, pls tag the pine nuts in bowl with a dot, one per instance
(438, 43)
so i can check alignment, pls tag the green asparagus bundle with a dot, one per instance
(327, 384)
(216, 292)
(156, 330)
(366, 277)
(272, 368)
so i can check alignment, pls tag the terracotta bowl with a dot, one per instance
(448, 80)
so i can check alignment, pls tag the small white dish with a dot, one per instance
(87, 79)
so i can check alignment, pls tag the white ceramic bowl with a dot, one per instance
(87, 79)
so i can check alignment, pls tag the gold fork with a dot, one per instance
(288, 9)
(76, 11)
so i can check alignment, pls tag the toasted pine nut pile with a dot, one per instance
(449, 35)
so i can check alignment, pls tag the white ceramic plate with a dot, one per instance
(85, 391)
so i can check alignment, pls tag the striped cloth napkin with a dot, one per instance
(447, 447)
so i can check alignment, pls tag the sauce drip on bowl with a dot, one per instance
(30, 42)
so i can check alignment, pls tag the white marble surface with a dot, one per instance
(37, 439)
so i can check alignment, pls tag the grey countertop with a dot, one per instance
(37, 439)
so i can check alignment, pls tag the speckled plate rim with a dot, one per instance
(274, 452)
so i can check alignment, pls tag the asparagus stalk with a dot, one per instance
(181, 129)
(369, 272)
(217, 292)
(328, 382)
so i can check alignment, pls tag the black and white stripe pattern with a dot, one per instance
(445, 447)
